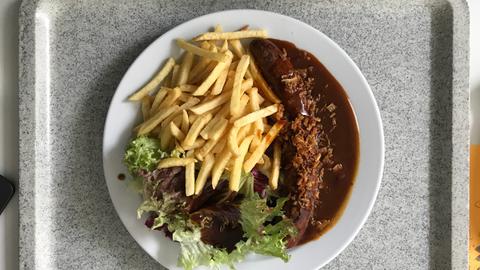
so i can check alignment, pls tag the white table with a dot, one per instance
(9, 114)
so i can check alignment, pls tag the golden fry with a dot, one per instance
(197, 144)
(161, 94)
(224, 47)
(192, 101)
(237, 48)
(146, 104)
(243, 108)
(172, 96)
(151, 123)
(155, 81)
(232, 35)
(220, 83)
(218, 129)
(237, 84)
(200, 76)
(232, 141)
(277, 155)
(187, 88)
(220, 145)
(211, 104)
(176, 132)
(257, 115)
(266, 141)
(221, 161)
(185, 68)
(254, 103)
(203, 174)
(220, 57)
(195, 129)
(262, 84)
(236, 173)
(175, 73)
(247, 84)
(166, 139)
(185, 123)
(210, 80)
(174, 162)
(190, 175)
(184, 97)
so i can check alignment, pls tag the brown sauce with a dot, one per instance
(344, 138)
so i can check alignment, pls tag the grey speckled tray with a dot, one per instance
(414, 54)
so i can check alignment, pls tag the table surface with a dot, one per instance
(9, 114)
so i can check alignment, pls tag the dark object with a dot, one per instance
(319, 144)
(280, 75)
(220, 225)
(6, 192)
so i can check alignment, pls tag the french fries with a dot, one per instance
(210, 80)
(172, 96)
(262, 84)
(161, 94)
(237, 85)
(174, 162)
(210, 105)
(176, 132)
(197, 144)
(207, 166)
(220, 163)
(256, 115)
(153, 121)
(262, 147)
(220, 57)
(146, 104)
(185, 68)
(175, 73)
(232, 35)
(195, 129)
(236, 173)
(220, 82)
(185, 122)
(273, 180)
(190, 175)
(155, 81)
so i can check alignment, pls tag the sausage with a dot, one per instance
(280, 74)
(300, 151)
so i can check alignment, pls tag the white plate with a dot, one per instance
(123, 115)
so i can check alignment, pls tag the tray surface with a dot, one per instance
(414, 55)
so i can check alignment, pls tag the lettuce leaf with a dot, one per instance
(260, 238)
(261, 234)
(193, 252)
(145, 153)
(269, 239)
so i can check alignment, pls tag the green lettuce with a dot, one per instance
(260, 235)
(269, 239)
(145, 153)
(193, 252)
(262, 239)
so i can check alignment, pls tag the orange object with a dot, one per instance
(474, 244)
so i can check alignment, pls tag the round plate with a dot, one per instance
(123, 115)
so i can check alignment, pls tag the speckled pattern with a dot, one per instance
(414, 54)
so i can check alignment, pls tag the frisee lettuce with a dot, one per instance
(260, 235)
(269, 239)
(145, 153)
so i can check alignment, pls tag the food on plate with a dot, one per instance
(247, 144)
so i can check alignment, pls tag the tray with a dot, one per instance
(413, 53)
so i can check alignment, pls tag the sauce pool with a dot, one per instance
(344, 139)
